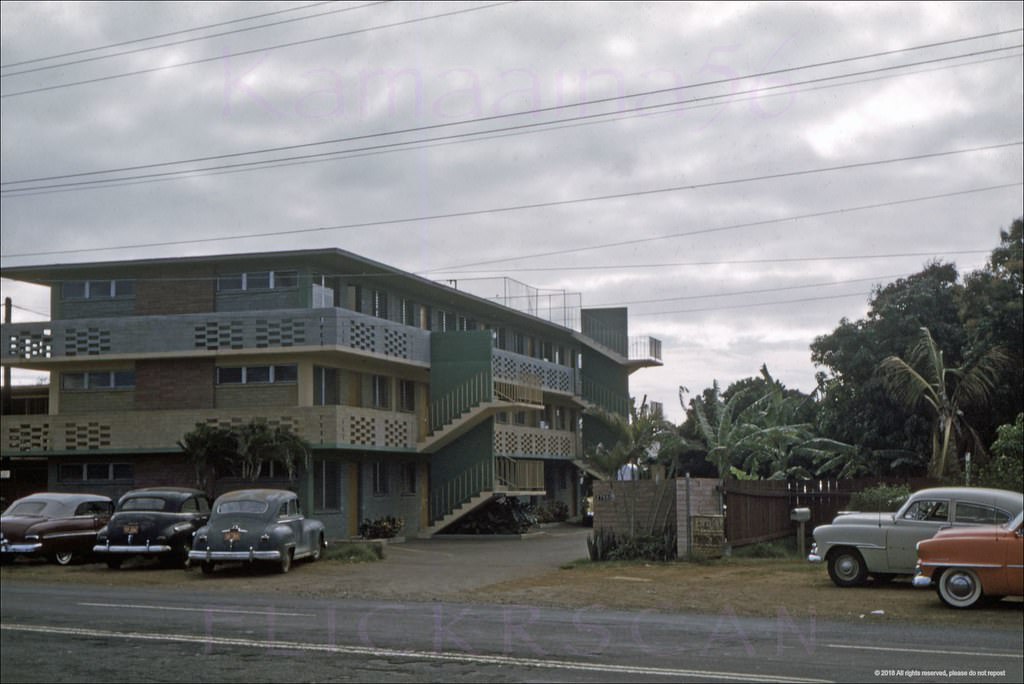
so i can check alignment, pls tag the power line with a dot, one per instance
(26, 309)
(754, 305)
(735, 226)
(188, 40)
(721, 262)
(159, 35)
(279, 46)
(740, 293)
(540, 110)
(461, 138)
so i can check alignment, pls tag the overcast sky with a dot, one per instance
(721, 272)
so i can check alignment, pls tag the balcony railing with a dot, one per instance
(550, 377)
(644, 348)
(37, 343)
(528, 442)
(327, 426)
(519, 475)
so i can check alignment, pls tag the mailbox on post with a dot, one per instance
(800, 515)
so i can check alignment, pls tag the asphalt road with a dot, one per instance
(88, 631)
(51, 633)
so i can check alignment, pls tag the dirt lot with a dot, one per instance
(549, 571)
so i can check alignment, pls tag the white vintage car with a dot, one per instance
(883, 545)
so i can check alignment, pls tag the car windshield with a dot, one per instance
(243, 506)
(1016, 522)
(144, 503)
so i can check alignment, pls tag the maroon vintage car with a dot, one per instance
(60, 527)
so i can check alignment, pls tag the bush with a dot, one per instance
(605, 545)
(551, 511)
(500, 516)
(880, 498)
(1005, 470)
(381, 528)
(353, 552)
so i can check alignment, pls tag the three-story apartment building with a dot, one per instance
(420, 400)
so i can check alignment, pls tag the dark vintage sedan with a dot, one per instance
(156, 522)
(257, 525)
(60, 527)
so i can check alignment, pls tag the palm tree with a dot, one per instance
(637, 437)
(211, 451)
(924, 380)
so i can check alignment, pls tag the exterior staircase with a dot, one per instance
(466, 508)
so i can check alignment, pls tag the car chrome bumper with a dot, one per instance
(814, 556)
(922, 581)
(21, 548)
(134, 549)
(235, 556)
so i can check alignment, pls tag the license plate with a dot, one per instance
(131, 529)
(232, 536)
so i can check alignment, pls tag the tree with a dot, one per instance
(638, 439)
(1006, 468)
(926, 380)
(216, 452)
(211, 452)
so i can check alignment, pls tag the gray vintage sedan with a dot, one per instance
(257, 525)
(883, 545)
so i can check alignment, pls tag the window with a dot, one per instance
(98, 380)
(380, 478)
(977, 513)
(928, 510)
(327, 485)
(502, 417)
(409, 477)
(97, 289)
(81, 472)
(406, 395)
(257, 280)
(445, 321)
(408, 312)
(249, 375)
(520, 418)
(380, 304)
(381, 397)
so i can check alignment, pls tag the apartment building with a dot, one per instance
(420, 399)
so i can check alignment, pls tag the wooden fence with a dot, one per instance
(759, 510)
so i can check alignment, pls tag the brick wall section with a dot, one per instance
(193, 294)
(637, 507)
(174, 384)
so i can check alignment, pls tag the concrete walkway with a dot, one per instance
(438, 567)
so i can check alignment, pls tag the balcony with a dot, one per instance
(128, 431)
(527, 442)
(518, 369)
(39, 345)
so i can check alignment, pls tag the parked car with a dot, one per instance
(156, 522)
(60, 527)
(965, 565)
(884, 544)
(251, 525)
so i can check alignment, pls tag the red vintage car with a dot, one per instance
(966, 565)
(61, 527)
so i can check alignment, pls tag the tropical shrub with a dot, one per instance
(880, 498)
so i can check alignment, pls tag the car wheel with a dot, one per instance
(176, 558)
(318, 549)
(846, 568)
(114, 563)
(286, 561)
(63, 558)
(207, 568)
(959, 588)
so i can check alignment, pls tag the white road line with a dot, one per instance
(924, 651)
(140, 606)
(503, 661)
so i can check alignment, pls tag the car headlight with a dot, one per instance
(181, 527)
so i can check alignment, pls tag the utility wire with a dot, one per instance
(754, 305)
(159, 35)
(188, 40)
(540, 110)
(267, 48)
(517, 208)
(719, 229)
(391, 148)
(726, 262)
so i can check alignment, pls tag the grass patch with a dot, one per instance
(354, 552)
